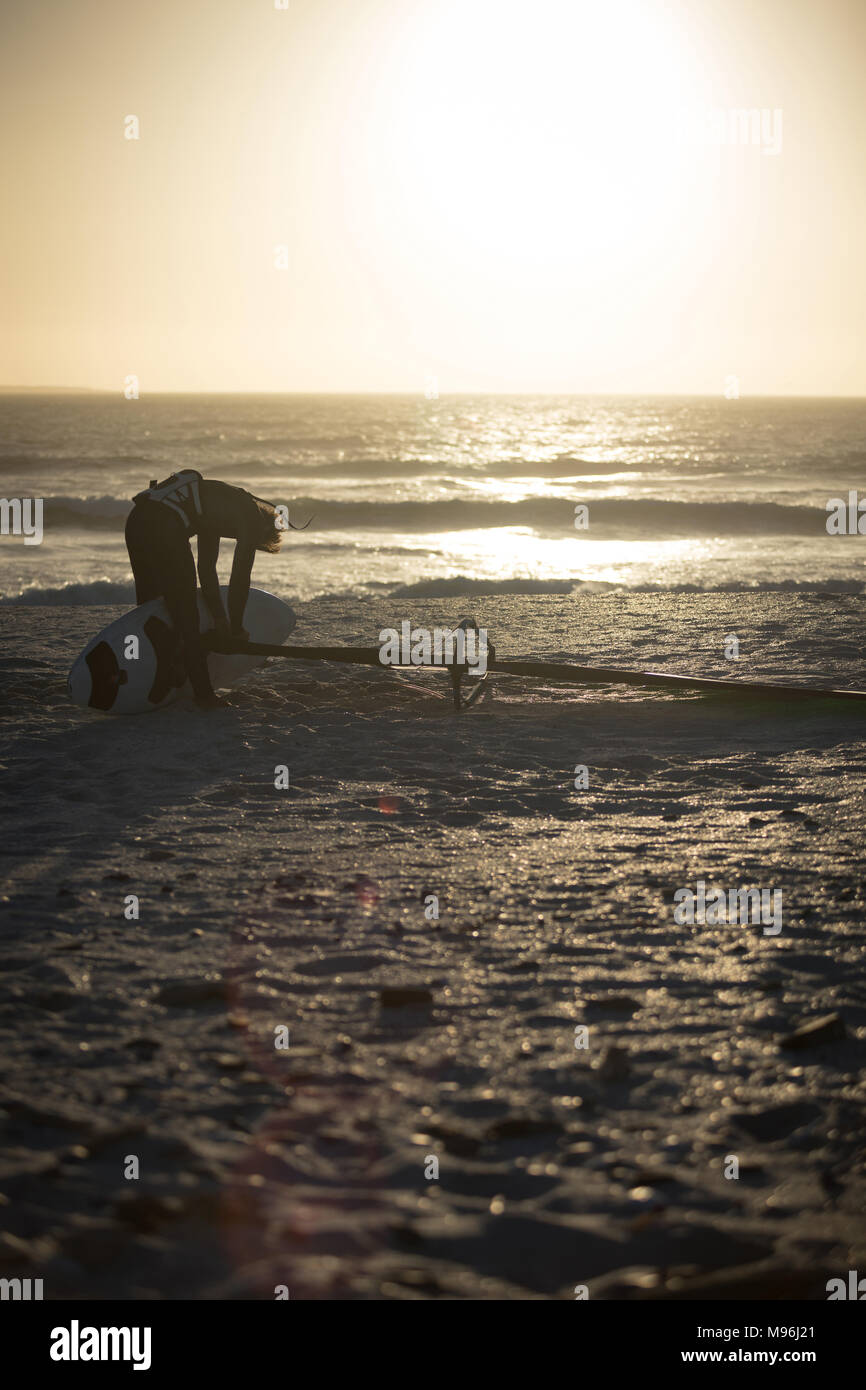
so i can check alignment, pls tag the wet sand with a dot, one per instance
(453, 1039)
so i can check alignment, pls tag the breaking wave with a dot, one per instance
(107, 592)
(651, 517)
(459, 585)
(89, 595)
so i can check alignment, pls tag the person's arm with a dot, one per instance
(208, 551)
(239, 584)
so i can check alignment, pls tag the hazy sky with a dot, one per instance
(506, 196)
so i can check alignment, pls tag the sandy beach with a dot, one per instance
(411, 1037)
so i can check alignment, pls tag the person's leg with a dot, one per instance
(181, 601)
(163, 567)
(144, 556)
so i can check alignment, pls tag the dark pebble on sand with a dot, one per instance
(521, 1127)
(145, 1212)
(614, 1064)
(777, 1121)
(769, 984)
(53, 1001)
(398, 997)
(181, 993)
(828, 1028)
(614, 1003)
(144, 1044)
(460, 1142)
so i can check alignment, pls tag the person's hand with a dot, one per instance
(217, 636)
(219, 626)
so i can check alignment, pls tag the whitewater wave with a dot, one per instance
(461, 585)
(653, 517)
(106, 592)
(87, 594)
(53, 462)
(564, 466)
(86, 513)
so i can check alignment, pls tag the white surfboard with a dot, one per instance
(107, 677)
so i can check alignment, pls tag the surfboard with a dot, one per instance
(108, 676)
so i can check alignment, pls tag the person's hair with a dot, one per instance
(270, 535)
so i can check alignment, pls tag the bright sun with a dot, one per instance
(532, 137)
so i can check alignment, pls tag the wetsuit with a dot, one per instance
(159, 528)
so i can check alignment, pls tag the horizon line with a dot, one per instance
(11, 390)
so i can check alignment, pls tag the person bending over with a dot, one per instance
(163, 520)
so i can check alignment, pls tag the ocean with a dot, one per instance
(461, 494)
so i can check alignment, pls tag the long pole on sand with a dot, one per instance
(551, 671)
